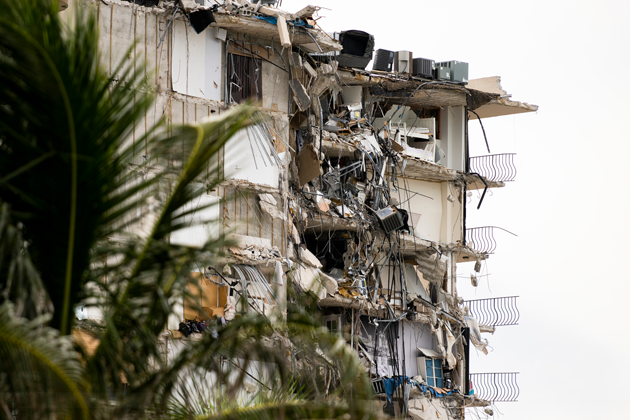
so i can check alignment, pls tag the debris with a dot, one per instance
(309, 167)
(283, 32)
(302, 99)
(308, 257)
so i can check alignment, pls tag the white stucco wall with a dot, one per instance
(197, 64)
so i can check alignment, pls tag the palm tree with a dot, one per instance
(68, 185)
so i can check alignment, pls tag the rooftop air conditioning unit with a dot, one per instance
(442, 73)
(384, 60)
(358, 48)
(423, 67)
(459, 70)
(390, 219)
(403, 62)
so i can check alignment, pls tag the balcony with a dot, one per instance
(496, 168)
(481, 239)
(495, 387)
(494, 312)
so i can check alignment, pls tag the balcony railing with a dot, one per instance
(495, 387)
(494, 312)
(498, 168)
(481, 239)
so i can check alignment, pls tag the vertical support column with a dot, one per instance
(453, 264)
(466, 373)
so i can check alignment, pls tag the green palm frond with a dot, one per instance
(20, 282)
(41, 374)
(63, 123)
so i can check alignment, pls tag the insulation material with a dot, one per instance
(479, 342)
(277, 274)
(450, 342)
(437, 332)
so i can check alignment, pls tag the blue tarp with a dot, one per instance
(391, 384)
(424, 388)
(274, 21)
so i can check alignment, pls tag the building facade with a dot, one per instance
(351, 184)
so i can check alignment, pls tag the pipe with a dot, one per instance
(484, 190)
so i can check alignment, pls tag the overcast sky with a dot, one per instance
(568, 205)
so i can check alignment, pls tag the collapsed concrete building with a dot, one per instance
(352, 184)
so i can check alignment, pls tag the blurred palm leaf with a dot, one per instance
(41, 375)
(63, 123)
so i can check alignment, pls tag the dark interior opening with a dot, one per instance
(355, 43)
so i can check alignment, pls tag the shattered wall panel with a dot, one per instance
(197, 62)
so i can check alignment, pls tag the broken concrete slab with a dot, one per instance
(244, 241)
(271, 210)
(268, 198)
(308, 278)
(302, 99)
(308, 257)
(309, 165)
(329, 283)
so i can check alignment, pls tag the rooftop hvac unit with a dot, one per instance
(383, 61)
(403, 62)
(358, 48)
(459, 70)
(423, 67)
(442, 73)
(390, 219)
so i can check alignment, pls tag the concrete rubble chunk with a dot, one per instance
(308, 257)
(268, 198)
(329, 283)
(309, 279)
(271, 210)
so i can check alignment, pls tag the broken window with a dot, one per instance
(244, 78)
(333, 324)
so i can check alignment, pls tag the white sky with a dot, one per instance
(568, 204)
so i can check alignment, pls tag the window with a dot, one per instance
(429, 363)
(333, 324)
(434, 372)
(244, 78)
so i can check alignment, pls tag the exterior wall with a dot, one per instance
(414, 335)
(433, 216)
(276, 93)
(186, 74)
(197, 62)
